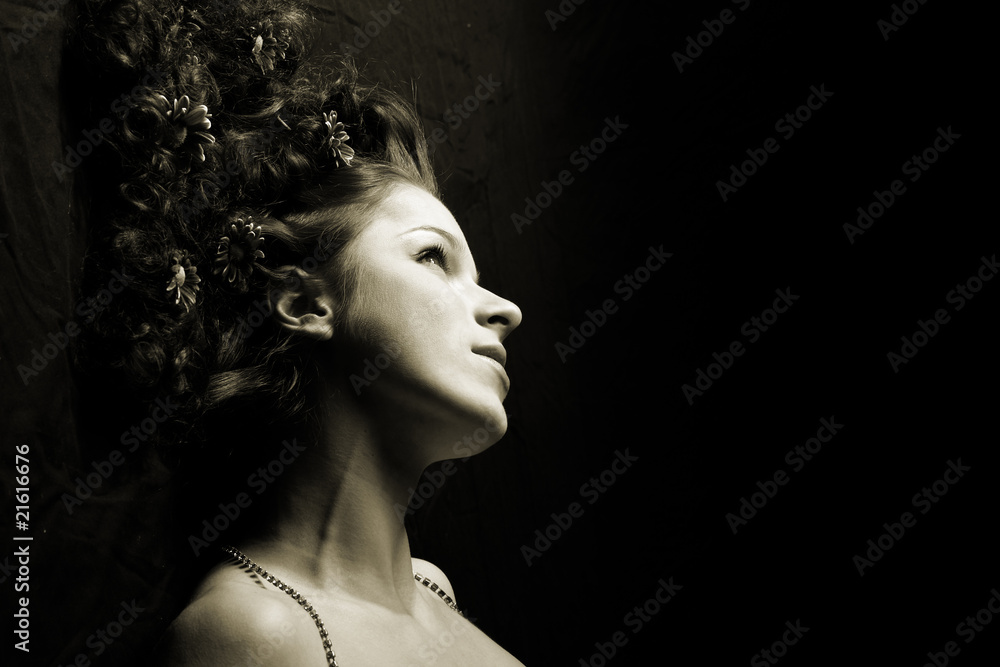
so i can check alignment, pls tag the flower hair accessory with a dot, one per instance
(191, 125)
(183, 286)
(238, 252)
(335, 140)
(267, 48)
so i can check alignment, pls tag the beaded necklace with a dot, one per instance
(331, 656)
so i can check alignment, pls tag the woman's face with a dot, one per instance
(421, 340)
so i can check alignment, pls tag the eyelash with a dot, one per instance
(436, 252)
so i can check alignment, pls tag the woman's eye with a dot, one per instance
(434, 256)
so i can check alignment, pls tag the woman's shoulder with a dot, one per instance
(233, 620)
(430, 571)
(237, 619)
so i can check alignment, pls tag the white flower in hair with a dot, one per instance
(183, 286)
(335, 140)
(191, 125)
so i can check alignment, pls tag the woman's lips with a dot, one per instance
(497, 365)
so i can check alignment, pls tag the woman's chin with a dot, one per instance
(474, 434)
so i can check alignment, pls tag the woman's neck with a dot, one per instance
(332, 524)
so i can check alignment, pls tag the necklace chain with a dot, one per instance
(331, 656)
(437, 589)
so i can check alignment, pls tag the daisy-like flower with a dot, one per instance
(238, 252)
(267, 49)
(335, 139)
(183, 286)
(191, 125)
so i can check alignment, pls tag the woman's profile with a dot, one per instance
(298, 289)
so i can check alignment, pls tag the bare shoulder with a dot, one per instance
(459, 638)
(431, 571)
(232, 621)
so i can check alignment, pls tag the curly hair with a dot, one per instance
(227, 133)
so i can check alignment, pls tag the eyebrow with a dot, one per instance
(455, 243)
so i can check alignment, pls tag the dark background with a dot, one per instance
(656, 184)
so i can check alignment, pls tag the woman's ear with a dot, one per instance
(305, 305)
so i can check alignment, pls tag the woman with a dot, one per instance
(292, 278)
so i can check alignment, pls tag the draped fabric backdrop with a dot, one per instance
(752, 395)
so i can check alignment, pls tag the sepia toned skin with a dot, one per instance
(333, 533)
